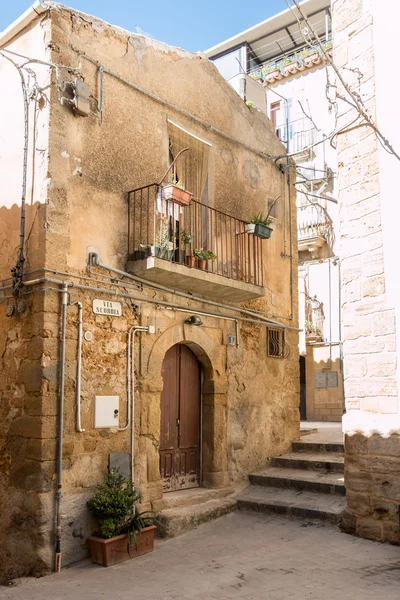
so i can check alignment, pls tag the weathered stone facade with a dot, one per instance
(371, 423)
(249, 401)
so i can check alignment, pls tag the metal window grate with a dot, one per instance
(276, 343)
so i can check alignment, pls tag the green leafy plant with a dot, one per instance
(178, 183)
(186, 238)
(113, 507)
(261, 220)
(270, 68)
(311, 328)
(204, 254)
(249, 104)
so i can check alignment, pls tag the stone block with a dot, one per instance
(371, 387)
(369, 528)
(384, 510)
(348, 522)
(383, 323)
(380, 464)
(355, 366)
(359, 504)
(373, 286)
(357, 481)
(380, 405)
(363, 346)
(387, 487)
(382, 365)
(387, 446)
(373, 263)
(391, 532)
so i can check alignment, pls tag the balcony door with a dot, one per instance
(180, 420)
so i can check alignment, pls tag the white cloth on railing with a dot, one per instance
(167, 208)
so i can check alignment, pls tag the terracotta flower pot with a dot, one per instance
(115, 550)
(201, 263)
(177, 194)
(191, 261)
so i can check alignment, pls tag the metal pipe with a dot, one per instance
(128, 383)
(163, 288)
(64, 306)
(134, 331)
(213, 315)
(256, 321)
(79, 367)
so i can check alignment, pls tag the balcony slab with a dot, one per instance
(194, 281)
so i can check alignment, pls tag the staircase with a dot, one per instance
(307, 482)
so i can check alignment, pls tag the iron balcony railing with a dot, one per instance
(162, 228)
(297, 135)
(311, 221)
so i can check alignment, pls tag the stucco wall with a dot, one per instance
(250, 402)
(21, 336)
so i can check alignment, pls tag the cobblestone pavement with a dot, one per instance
(243, 556)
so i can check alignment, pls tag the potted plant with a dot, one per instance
(260, 226)
(272, 72)
(203, 256)
(186, 239)
(163, 247)
(313, 333)
(122, 534)
(176, 192)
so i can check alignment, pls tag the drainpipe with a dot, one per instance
(64, 306)
(79, 368)
(23, 21)
(131, 335)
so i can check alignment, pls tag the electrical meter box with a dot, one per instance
(106, 411)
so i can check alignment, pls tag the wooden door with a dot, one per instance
(180, 420)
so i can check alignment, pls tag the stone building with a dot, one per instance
(364, 40)
(115, 346)
(272, 66)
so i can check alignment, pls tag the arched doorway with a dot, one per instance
(180, 431)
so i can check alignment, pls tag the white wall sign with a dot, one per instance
(108, 308)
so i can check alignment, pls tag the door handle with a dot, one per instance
(178, 422)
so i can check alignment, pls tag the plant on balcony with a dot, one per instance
(122, 533)
(176, 192)
(249, 104)
(186, 239)
(260, 226)
(163, 246)
(311, 330)
(203, 256)
(271, 72)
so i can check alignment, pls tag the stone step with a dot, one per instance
(300, 479)
(315, 461)
(178, 520)
(301, 504)
(193, 496)
(306, 446)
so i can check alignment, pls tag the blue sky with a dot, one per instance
(193, 25)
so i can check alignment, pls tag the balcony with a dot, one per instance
(163, 236)
(312, 228)
(298, 136)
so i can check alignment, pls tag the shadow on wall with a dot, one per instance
(372, 479)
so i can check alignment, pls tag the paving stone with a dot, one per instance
(241, 555)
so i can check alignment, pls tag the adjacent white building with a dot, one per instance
(274, 69)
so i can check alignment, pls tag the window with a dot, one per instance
(276, 344)
(276, 118)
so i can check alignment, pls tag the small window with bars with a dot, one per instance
(276, 343)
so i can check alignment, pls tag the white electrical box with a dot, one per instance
(106, 411)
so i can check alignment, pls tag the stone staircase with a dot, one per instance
(307, 482)
(185, 510)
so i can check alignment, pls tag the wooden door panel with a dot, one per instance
(169, 415)
(180, 420)
(189, 418)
